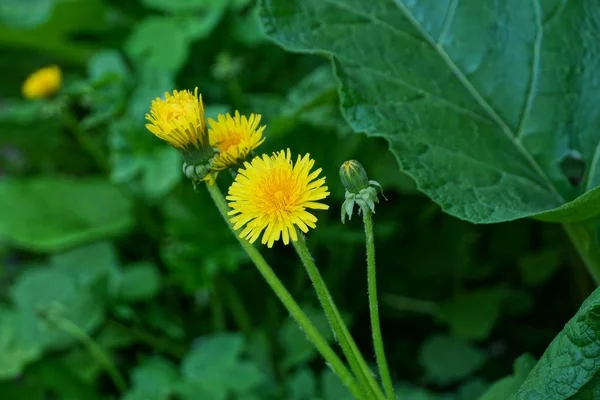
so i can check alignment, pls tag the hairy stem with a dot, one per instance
(289, 303)
(338, 326)
(95, 350)
(384, 371)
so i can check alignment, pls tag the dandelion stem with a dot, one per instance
(338, 326)
(85, 141)
(384, 371)
(95, 350)
(289, 303)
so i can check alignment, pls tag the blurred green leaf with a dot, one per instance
(139, 281)
(18, 347)
(43, 290)
(332, 388)
(89, 264)
(302, 385)
(570, 361)
(52, 213)
(537, 268)
(295, 346)
(193, 256)
(211, 365)
(507, 386)
(475, 119)
(248, 28)
(158, 42)
(186, 6)
(448, 360)
(473, 315)
(54, 36)
(150, 167)
(151, 83)
(153, 379)
(25, 13)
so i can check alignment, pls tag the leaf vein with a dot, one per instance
(535, 67)
(447, 21)
(479, 98)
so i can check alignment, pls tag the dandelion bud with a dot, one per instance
(359, 189)
(353, 176)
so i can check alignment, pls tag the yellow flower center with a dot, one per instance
(232, 139)
(273, 194)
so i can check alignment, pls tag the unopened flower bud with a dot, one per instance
(353, 176)
(359, 189)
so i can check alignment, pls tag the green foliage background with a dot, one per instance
(489, 108)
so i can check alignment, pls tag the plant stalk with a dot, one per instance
(95, 350)
(338, 326)
(384, 371)
(289, 303)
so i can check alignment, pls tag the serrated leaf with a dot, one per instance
(571, 361)
(477, 98)
(448, 360)
(49, 214)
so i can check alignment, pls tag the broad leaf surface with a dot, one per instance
(50, 214)
(570, 366)
(480, 100)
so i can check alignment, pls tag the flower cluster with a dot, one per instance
(270, 193)
(179, 120)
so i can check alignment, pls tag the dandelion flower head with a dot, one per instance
(179, 119)
(272, 194)
(42, 83)
(235, 137)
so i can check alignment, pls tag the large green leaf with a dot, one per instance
(480, 100)
(571, 363)
(49, 214)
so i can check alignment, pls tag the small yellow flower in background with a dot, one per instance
(235, 137)
(179, 120)
(271, 193)
(42, 83)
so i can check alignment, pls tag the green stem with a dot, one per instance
(384, 371)
(159, 345)
(218, 313)
(338, 326)
(84, 140)
(237, 307)
(290, 304)
(584, 237)
(95, 350)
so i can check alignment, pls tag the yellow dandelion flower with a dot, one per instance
(42, 83)
(179, 120)
(271, 193)
(235, 137)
